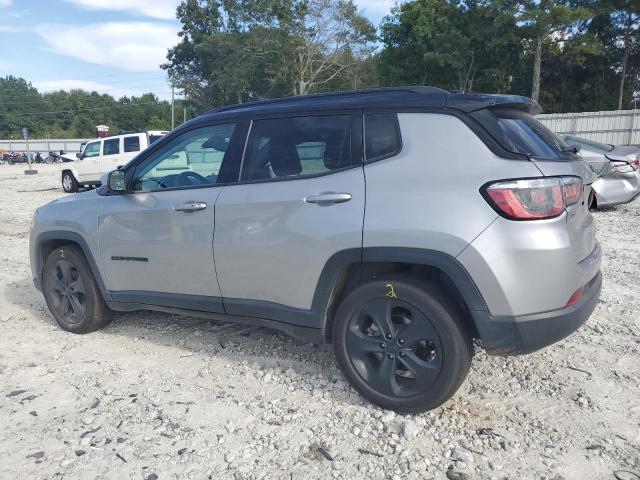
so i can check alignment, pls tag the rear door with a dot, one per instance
(111, 157)
(132, 145)
(299, 202)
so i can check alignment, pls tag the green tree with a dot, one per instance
(547, 20)
(234, 51)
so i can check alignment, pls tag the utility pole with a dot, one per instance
(173, 107)
(184, 108)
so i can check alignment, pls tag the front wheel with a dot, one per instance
(69, 182)
(71, 292)
(401, 344)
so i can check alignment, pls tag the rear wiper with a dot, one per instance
(571, 149)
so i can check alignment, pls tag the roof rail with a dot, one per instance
(417, 89)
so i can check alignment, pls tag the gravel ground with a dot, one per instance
(161, 396)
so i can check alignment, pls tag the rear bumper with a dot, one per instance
(517, 335)
(617, 188)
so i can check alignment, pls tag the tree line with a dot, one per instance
(74, 113)
(570, 55)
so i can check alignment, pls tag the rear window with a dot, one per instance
(588, 144)
(519, 132)
(382, 135)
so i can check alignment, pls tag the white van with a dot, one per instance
(103, 155)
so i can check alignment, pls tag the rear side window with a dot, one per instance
(297, 146)
(111, 146)
(132, 144)
(382, 135)
(519, 132)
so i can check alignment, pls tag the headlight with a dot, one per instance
(622, 167)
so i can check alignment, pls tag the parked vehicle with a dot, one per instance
(14, 157)
(398, 224)
(59, 157)
(617, 168)
(102, 155)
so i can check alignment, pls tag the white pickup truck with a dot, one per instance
(103, 155)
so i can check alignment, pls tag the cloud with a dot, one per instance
(134, 46)
(5, 3)
(161, 9)
(154, 86)
(376, 7)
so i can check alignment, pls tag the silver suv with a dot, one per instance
(398, 224)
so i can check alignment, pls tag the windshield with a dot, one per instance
(519, 132)
(588, 144)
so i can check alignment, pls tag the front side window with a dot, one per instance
(132, 144)
(91, 150)
(382, 135)
(297, 146)
(191, 159)
(111, 146)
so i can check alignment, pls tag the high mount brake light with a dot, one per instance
(535, 198)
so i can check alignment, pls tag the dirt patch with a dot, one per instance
(162, 396)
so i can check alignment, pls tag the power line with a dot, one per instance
(81, 109)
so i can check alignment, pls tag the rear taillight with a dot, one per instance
(636, 164)
(535, 198)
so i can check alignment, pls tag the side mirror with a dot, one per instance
(115, 181)
(79, 155)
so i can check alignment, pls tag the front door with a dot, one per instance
(88, 167)
(300, 201)
(156, 240)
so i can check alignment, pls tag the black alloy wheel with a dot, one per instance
(394, 347)
(67, 291)
(402, 343)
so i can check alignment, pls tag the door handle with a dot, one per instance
(191, 207)
(328, 198)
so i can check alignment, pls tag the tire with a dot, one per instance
(49, 160)
(69, 182)
(401, 344)
(71, 292)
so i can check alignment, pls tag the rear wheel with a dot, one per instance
(401, 344)
(71, 292)
(69, 182)
(593, 201)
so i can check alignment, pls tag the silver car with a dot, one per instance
(397, 224)
(617, 168)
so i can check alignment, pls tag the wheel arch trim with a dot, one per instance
(72, 237)
(340, 262)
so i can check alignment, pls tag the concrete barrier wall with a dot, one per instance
(617, 127)
(68, 145)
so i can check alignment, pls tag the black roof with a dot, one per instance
(390, 97)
